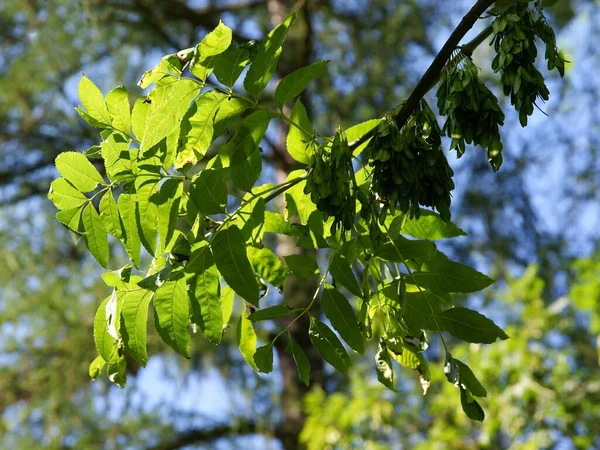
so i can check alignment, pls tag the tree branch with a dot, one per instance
(207, 434)
(432, 74)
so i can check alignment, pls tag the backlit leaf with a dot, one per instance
(92, 100)
(78, 170)
(299, 141)
(205, 290)
(214, 43)
(117, 102)
(95, 235)
(64, 195)
(171, 315)
(229, 250)
(430, 226)
(102, 338)
(294, 83)
(265, 62)
(131, 238)
(268, 265)
(246, 340)
(109, 214)
(134, 311)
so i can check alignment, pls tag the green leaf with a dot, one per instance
(96, 367)
(169, 198)
(139, 114)
(300, 358)
(263, 358)
(147, 211)
(64, 195)
(470, 406)
(470, 326)
(197, 130)
(268, 266)
(205, 290)
(272, 312)
(276, 223)
(169, 104)
(328, 345)
(95, 235)
(438, 273)
(134, 311)
(402, 249)
(469, 380)
(294, 83)
(171, 315)
(253, 228)
(342, 273)
(430, 226)
(246, 174)
(131, 238)
(102, 338)
(169, 66)
(246, 138)
(265, 61)
(93, 101)
(302, 266)
(208, 192)
(116, 155)
(296, 201)
(230, 64)
(229, 250)
(299, 141)
(420, 310)
(117, 367)
(229, 111)
(119, 108)
(383, 366)
(70, 217)
(357, 131)
(246, 340)
(341, 315)
(78, 170)
(109, 214)
(214, 43)
(227, 300)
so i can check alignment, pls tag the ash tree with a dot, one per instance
(180, 180)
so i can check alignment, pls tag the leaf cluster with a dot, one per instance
(182, 168)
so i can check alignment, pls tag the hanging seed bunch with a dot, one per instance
(329, 182)
(515, 31)
(553, 56)
(472, 110)
(409, 166)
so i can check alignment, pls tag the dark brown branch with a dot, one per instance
(432, 74)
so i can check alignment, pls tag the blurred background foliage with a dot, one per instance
(534, 226)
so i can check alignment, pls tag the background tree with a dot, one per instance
(100, 36)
